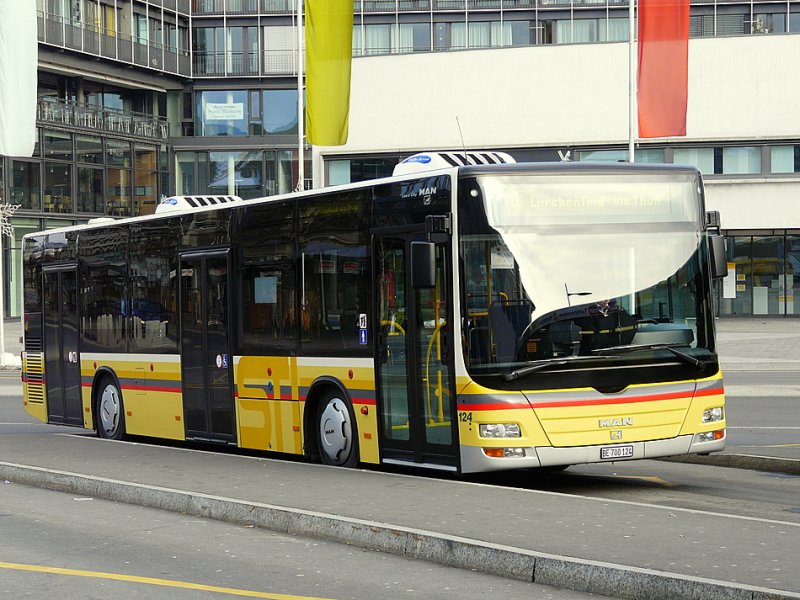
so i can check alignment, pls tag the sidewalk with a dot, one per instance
(752, 344)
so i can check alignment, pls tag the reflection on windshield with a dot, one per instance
(555, 291)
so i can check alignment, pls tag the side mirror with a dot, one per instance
(719, 262)
(423, 264)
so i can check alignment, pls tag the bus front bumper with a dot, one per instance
(475, 459)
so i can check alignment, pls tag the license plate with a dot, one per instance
(616, 452)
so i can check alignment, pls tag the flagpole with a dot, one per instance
(633, 115)
(301, 165)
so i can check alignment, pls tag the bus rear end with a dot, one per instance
(587, 319)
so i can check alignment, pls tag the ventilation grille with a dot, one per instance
(34, 376)
(33, 344)
(427, 161)
(178, 203)
(462, 159)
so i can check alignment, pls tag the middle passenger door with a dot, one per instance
(414, 357)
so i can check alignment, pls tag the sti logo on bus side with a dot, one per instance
(617, 422)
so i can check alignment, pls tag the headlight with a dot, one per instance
(500, 430)
(713, 414)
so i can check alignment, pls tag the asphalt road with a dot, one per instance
(79, 548)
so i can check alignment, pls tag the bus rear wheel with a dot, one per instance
(337, 436)
(109, 410)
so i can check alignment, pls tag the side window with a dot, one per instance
(152, 306)
(267, 320)
(334, 270)
(103, 288)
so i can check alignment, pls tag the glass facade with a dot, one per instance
(763, 276)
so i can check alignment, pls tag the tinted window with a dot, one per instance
(103, 288)
(153, 275)
(334, 269)
(268, 315)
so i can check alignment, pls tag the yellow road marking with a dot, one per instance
(656, 480)
(153, 581)
(780, 446)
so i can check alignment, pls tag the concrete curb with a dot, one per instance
(769, 464)
(617, 581)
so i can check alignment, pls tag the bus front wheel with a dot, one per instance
(337, 436)
(109, 411)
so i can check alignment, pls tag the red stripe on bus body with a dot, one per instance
(592, 401)
(498, 406)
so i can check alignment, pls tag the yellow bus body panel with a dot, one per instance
(585, 417)
(270, 402)
(150, 390)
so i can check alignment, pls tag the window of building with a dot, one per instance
(733, 24)
(413, 37)
(702, 158)
(794, 20)
(280, 50)
(378, 39)
(613, 30)
(145, 189)
(280, 112)
(208, 50)
(58, 145)
(57, 188)
(785, 159)
(242, 51)
(644, 155)
(90, 190)
(268, 315)
(25, 184)
(89, 149)
(768, 23)
(118, 192)
(236, 173)
(701, 26)
(741, 160)
(223, 112)
(118, 153)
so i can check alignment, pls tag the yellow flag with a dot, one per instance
(329, 50)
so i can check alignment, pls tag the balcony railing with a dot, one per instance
(84, 116)
(218, 64)
(74, 35)
(243, 7)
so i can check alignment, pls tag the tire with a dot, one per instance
(109, 410)
(337, 435)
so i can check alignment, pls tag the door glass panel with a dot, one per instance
(769, 292)
(73, 412)
(432, 374)
(218, 363)
(192, 347)
(792, 274)
(392, 353)
(52, 337)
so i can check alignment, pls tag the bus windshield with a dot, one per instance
(564, 270)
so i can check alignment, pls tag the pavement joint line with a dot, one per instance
(607, 579)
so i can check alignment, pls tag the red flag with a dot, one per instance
(663, 67)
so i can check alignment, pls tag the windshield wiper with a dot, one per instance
(668, 347)
(551, 362)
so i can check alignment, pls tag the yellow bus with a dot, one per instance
(466, 314)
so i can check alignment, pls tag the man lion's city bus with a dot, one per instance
(466, 314)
